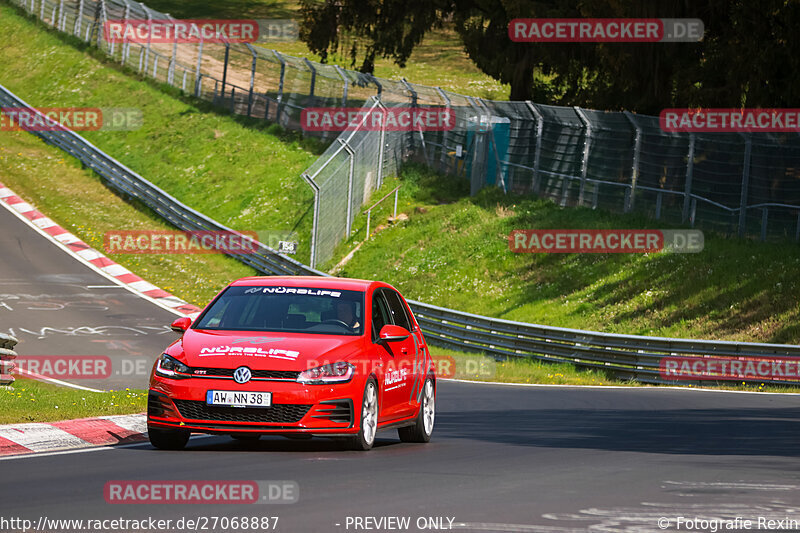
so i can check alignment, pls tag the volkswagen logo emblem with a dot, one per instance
(242, 374)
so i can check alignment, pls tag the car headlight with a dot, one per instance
(340, 372)
(169, 367)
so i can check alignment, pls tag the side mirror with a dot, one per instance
(392, 333)
(181, 324)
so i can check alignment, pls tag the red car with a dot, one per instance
(298, 357)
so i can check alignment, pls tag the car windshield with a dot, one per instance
(286, 309)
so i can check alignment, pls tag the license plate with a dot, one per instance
(239, 398)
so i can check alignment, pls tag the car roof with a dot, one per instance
(308, 281)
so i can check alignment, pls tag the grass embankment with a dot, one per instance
(453, 252)
(438, 61)
(32, 401)
(244, 173)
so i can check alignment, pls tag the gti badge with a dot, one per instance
(241, 374)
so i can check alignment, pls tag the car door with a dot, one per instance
(400, 376)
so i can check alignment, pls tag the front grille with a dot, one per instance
(256, 374)
(278, 413)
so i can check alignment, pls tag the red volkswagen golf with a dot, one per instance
(299, 357)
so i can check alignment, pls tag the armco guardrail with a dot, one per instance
(125, 181)
(7, 356)
(625, 356)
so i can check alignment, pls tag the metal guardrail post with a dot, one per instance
(315, 189)
(748, 147)
(7, 356)
(637, 147)
(587, 144)
(687, 190)
(537, 151)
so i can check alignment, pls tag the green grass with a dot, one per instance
(453, 252)
(243, 173)
(33, 401)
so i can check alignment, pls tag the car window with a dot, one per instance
(398, 310)
(286, 309)
(380, 314)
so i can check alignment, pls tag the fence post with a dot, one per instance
(252, 78)
(764, 215)
(280, 86)
(149, 38)
(198, 76)
(383, 144)
(225, 71)
(76, 28)
(445, 133)
(101, 29)
(538, 149)
(41, 11)
(687, 190)
(315, 189)
(350, 172)
(413, 94)
(637, 147)
(748, 146)
(172, 61)
(346, 84)
(311, 97)
(126, 45)
(587, 145)
(62, 17)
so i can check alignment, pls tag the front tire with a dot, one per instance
(368, 426)
(168, 439)
(422, 429)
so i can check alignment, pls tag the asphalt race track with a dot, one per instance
(502, 458)
(57, 306)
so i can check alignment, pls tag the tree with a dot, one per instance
(749, 55)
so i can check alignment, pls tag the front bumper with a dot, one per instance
(325, 410)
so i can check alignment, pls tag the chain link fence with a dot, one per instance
(737, 184)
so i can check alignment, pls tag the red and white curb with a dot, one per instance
(19, 439)
(91, 257)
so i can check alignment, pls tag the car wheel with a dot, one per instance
(369, 418)
(246, 436)
(168, 439)
(422, 429)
